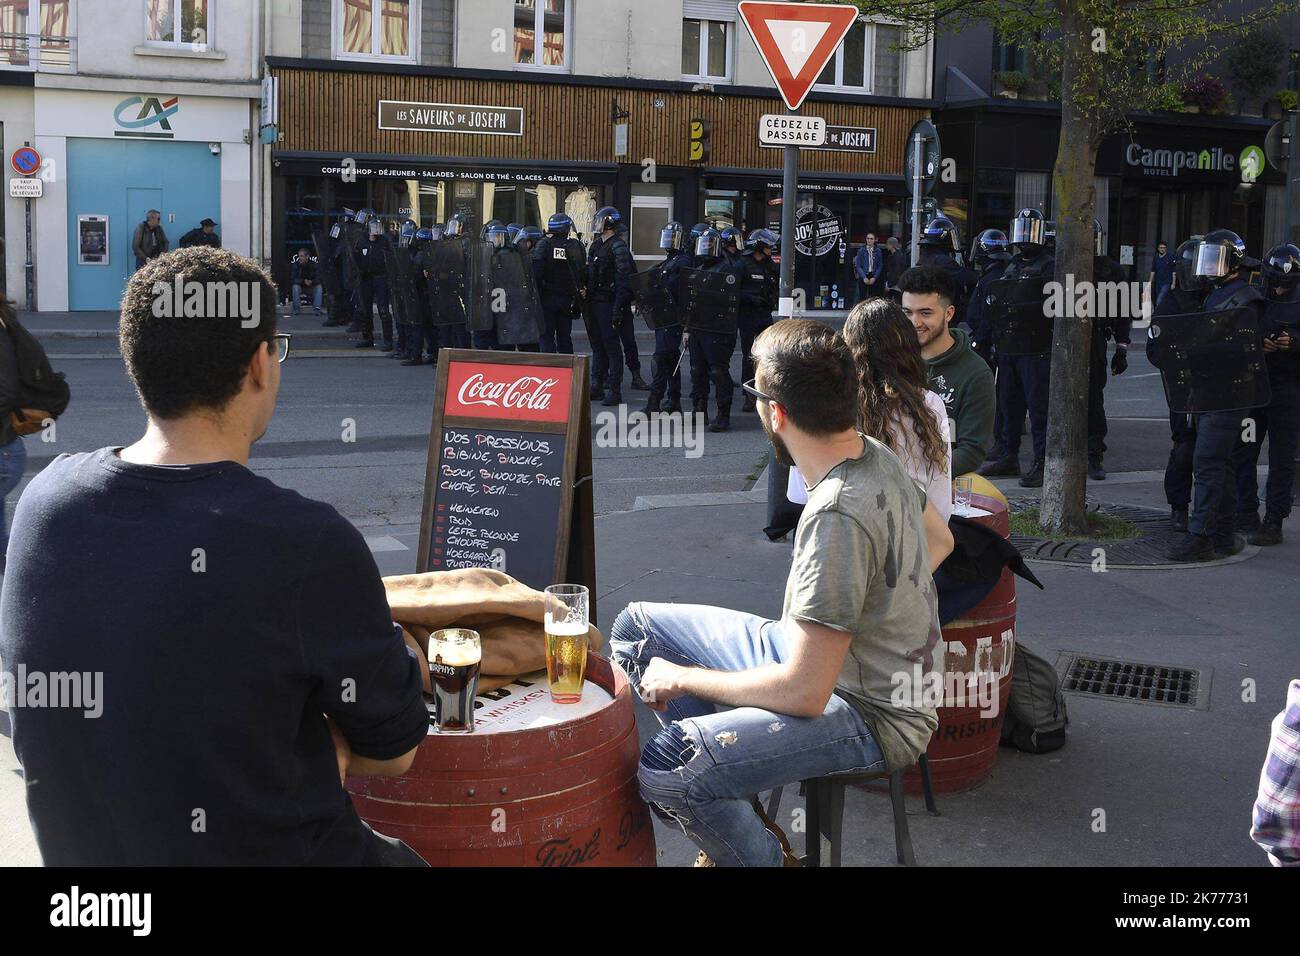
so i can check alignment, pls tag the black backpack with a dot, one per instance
(41, 390)
(1035, 721)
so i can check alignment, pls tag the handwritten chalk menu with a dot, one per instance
(508, 483)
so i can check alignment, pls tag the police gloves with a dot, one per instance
(1119, 361)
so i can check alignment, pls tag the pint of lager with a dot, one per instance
(455, 655)
(566, 641)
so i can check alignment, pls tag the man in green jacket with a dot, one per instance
(957, 375)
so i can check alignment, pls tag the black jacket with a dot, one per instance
(303, 271)
(197, 237)
(9, 389)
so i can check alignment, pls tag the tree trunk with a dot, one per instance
(1063, 510)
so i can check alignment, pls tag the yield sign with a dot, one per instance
(796, 40)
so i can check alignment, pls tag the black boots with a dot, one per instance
(671, 405)
(702, 408)
(1095, 471)
(1269, 533)
(722, 422)
(638, 383)
(613, 396)
(1178, 519)
(748, 404)
(1006, 467)
(1191, 547)
(1034, 477)
(1246, 521)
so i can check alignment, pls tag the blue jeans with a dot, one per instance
(706, 764)
(1280, 421)
(13, 460)
(297, 294)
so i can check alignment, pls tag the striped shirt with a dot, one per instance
(1276, 825)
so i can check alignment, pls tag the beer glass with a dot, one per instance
(566, 641)
(455, 655)
(962, 489)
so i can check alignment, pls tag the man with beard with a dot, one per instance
(747, 704)
(231, 618)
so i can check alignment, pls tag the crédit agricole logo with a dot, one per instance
(146, 117)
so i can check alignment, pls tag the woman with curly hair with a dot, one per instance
(896, 406)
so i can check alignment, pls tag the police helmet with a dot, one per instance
(697, 230)
(455, 227)
(731, 236)
(436, 231)
(559, 225)
(514, 229)
(709, 244)
(1029, 228)
(1281, 266)
(531, 235)
(762, 240)
(990, 245)
(607, 218)
(490, 225)
(670, 237)
(425, 234)
(363, 216)
(939, 231)
(1219, 255)
(497, 234)
(376, 228)
(1185, 267)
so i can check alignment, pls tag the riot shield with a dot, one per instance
(444, 260)
(711, 300)
(401, 288)
(654, 299)
(324, 246)
(517, 308)
(1210, 361)
(478, 287)
(1021, 325)
(346, 249)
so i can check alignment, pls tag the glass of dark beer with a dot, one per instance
(455, 655)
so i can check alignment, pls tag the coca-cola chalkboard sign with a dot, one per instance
(508, 480)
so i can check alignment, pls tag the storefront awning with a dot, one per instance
(724, 177)
(443, 168)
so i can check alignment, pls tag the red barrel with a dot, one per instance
(982, 642)
(559, 795)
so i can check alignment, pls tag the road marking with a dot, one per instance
(385, 543)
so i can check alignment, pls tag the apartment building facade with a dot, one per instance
(516, 109)
(133, 105)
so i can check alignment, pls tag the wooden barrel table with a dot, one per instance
(530, 787)
(981, 642)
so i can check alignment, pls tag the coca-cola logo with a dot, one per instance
(525, 392)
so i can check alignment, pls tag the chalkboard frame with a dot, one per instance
(575, 542)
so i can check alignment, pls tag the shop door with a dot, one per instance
(823, 266)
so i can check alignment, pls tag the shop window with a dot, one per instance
(707, 49)
(652, 208)
(375, 29)
(1008, 57)
(179, 23)
(868, 61)
(35, 39)
(551, 21)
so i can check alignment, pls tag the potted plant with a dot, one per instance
(1011, 82)
(1286, 100)
(1204, 94)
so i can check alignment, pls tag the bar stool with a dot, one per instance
(825, 801)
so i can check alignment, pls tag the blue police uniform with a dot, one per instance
(666, 383)
(1023, 380)
(1182, 428)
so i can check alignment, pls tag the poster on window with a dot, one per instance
(817, 230)
(92, 240)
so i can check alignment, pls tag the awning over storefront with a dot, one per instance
(443, 168)
(723, 177)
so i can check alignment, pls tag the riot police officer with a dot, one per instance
(666, 377)
(1104, 328)
(938, 247)
(455, 335)
(759, 284)
(1220, 258)
(424, 237)
(560, 267)
(609, 267)
(497, 235)
(989, 256)
(1185, 296)
(711, 351)
(1280, 419)
(410, 334)
(733, 241)
(340, 263)
(1022, 380)
(372, 290)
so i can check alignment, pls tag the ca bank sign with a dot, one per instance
(1172, 162)
(146, 117)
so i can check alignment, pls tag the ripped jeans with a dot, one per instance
(705, 765)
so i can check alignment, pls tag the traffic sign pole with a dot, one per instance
(1293, 182)
(30, 270)
(789, 187)
(918, 184)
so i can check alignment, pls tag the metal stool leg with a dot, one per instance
(902, 837)
(774, 803)
(812, 840)
(924, 763)
(836, 812)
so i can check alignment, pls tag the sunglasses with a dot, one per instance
(760, 396)
(281, 343)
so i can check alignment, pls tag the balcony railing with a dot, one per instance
(32, 52)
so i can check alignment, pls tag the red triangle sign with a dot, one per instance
(796, 40)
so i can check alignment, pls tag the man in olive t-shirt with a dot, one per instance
(819, 690)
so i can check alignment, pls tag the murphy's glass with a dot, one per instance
(455, 656)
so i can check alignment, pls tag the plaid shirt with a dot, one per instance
(1277, 808)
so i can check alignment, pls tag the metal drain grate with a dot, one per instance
(1128, 680)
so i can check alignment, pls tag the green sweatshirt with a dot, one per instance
(965, 383)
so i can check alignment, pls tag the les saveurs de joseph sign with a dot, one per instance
(451, 118)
